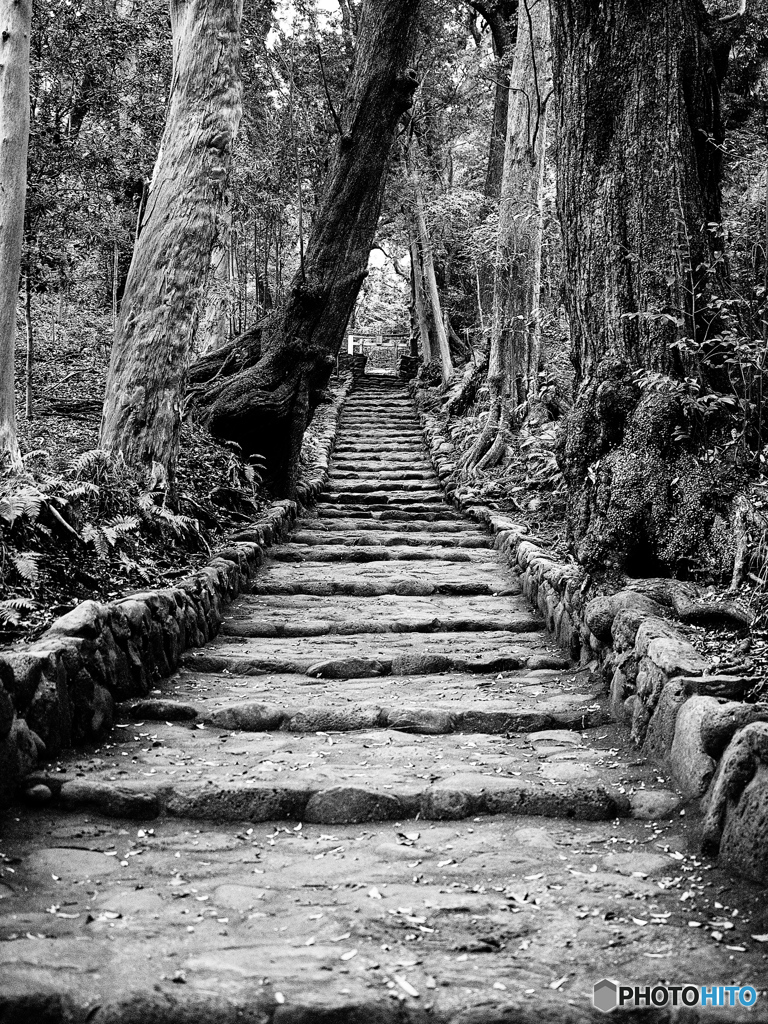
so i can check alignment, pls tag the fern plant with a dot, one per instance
(13, 610)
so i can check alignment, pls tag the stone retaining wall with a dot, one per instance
(693, 722)
(61, 690)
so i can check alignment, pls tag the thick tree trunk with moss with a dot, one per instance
(637, 96)
(15, 29)
(166, 282)
(514, 352)
(265, 402)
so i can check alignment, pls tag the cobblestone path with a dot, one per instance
(381, 794)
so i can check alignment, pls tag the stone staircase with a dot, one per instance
(381, 790)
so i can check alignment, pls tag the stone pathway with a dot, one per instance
(381, 791)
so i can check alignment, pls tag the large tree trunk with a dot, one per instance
(166, 282)
(637, 94)
(514, 353)
(265, 403)
(15, 29)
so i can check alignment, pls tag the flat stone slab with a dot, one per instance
(375, 578)
(349, 656)
(309, 615)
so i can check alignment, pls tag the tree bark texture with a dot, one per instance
(166, 282)
(638, 127)
(419, 302)
(265, 403)
(15, 30)
(514, 352)
(442, 347)
(501, 17)
(215, 320)
(638, 165)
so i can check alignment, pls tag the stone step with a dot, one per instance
(359, 445)
(378, 413)
(571, 712)
(298, 552)
(421, 579)
(332, 521)
(346, 472)
(363, 485)
(352, 777)
(387, 405)
(372, 538)
(370, 426)
(395, 512)
(363, 436)
(424, 499)
(376, 654)
(388, 514)
(309, 615)
(416, 464)
(382, 457)
(574, 694)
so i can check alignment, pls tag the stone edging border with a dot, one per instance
(61, 690)
(715, 747)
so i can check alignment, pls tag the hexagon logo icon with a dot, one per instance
(605, 996)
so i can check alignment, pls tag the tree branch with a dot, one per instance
(334, 115)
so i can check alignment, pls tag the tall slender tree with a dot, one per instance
(426, 266)
(514, 354)
(501, 16)
(165, 287)
(639, 135)
(15, 30)
(265, 401)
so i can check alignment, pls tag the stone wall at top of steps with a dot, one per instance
(60, 690)
(682, 714)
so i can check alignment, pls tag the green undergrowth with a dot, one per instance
(77, 524)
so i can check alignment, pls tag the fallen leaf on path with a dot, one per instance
(406, 986)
